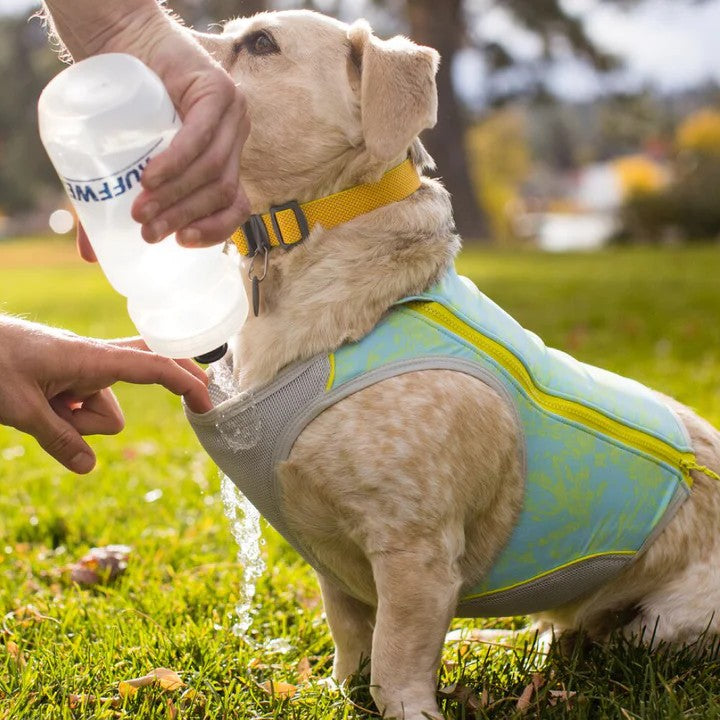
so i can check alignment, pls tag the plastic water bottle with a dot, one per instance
(101, 121)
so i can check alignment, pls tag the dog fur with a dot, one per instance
(405, 518)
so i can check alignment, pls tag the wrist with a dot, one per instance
(90, 27)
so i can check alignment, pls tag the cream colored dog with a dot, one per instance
(403, 526)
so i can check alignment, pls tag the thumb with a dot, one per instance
(60, 439)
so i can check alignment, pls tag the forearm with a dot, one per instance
(87, 27)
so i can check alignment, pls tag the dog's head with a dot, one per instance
(330, 104)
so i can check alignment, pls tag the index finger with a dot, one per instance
(137, 343)
(144, 368)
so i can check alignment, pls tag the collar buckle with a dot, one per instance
(300, 219)
(257, 235)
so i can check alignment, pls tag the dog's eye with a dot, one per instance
(261, 43)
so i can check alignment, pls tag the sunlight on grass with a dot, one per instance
(649, 314)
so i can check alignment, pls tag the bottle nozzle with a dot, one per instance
(212, 356)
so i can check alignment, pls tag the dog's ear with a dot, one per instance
(398, 95)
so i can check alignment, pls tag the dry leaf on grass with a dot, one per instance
(168, 679)
(303, 669)
(525, 700)
(100, 565)
(82, 699)
(465, 695)
(279, 689)
(165, 678)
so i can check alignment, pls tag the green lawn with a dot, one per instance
(650, 314)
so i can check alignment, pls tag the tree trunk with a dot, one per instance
(442, 26)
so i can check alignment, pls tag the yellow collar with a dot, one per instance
(291, 223)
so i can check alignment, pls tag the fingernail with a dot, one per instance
(149, 212)
(83, 462)
(158, 230)
(189, 237)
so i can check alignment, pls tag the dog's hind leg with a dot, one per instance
(417, 596)
(351, 626)
(686, 608)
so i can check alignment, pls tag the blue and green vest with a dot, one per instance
(607, 463)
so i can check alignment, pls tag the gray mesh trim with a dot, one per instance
(227, 406)
(550, 591)
(240, 435)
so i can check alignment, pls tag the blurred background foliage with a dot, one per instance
(525, 161)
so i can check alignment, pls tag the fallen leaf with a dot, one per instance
(15, 653)
(279, 689)
(524, 701)
(303, 670)
(130, 687)
(463, 694)
(168, 679)
(77, 700)
(172, 710)
(165, 678)
(100, 565)
(125, 689)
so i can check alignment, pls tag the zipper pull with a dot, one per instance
(688, 465)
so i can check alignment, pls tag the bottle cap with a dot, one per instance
(213, 355)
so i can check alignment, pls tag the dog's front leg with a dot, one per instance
(417, 597)
(351, 625)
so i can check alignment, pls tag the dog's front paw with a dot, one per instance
(394, 707)
(330, 684)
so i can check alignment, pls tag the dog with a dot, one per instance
(405, 491)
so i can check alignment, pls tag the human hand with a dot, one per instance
(193, 187)
(55, 386)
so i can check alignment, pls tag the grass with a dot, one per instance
(650, 314)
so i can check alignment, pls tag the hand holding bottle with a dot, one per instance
(104, 121)
(193, 187)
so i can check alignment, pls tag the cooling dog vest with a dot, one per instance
(607, 464)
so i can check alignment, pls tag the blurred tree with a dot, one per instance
(640, 175)
(446, 32)
(500, 163)
(454, 25)
(700, 133)
(688, 205)
(26, 66)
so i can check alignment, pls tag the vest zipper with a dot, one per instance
(568, 409)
